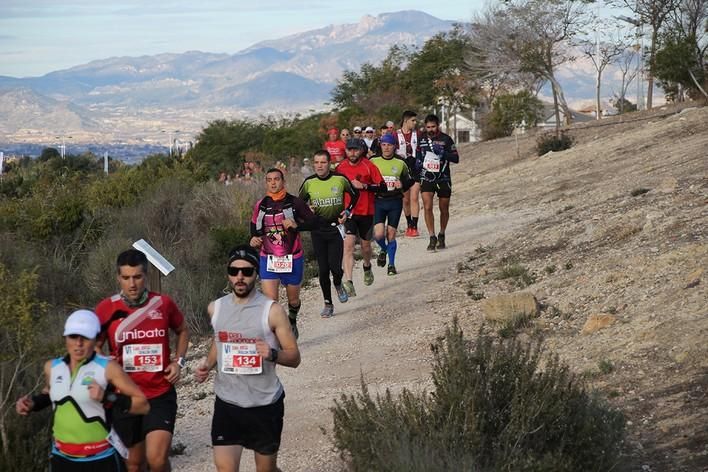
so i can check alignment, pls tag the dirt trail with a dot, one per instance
(617, 224)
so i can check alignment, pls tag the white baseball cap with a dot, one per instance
(357, 129)
(84, 323)
(369, 129)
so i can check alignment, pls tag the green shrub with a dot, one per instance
(492, 408)
(551, 142)
(519, 273)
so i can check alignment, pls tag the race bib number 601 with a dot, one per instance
(240, 358)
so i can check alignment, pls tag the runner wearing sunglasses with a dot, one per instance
(277, 219)
(252, 335)
(137, 324)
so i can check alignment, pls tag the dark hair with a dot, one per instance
(132, 258)
(275, 169)
(432, 119)
(325, 153)
(408, 114)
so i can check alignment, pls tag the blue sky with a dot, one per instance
(40, 36)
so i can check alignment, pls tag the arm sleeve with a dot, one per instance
(406, 179)
(451, 154)
(353, 194)
(306, 220)
(256, 220)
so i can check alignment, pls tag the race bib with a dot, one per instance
(280, 264)
(240, 358)
(431, 162)
(142, 358)
(390, 182)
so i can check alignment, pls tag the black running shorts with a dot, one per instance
(112, 463)
(258, 428)
(443, 189)
(132, 429)
(360, 225)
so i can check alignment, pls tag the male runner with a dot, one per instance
(324, 191)
(388, 204)
(366, 178)
(136, 323)
(437, 150)
(251, 336)
(407, 148)
(276, 220)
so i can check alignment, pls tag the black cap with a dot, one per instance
(246, 253)
(355, 143)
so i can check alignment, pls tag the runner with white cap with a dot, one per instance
(76, 387)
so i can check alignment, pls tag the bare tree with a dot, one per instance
(629, 66)
(527, 38)
(604, 49)
(652, 13)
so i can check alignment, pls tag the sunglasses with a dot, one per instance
(246, 271)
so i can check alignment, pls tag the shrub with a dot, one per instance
(548, 142)
(492, 408)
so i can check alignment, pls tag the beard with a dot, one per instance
(244, 289)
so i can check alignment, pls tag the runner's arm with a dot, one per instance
(353, 194)
(306, 219)
(27, 404)
(173, 370)
(406, 179)
(138, 404)
(289, 355)
(450, 153)
(209, 362)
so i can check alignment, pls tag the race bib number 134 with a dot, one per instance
(240, 358)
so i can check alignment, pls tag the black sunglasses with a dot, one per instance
(247, 271)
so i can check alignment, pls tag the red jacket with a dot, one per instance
(366, 173)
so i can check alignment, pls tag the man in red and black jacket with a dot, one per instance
(367, 179)
(137, 324)
(436, 151)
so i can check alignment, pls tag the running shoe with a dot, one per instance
(441, 241)
(349, 288)
(327, 311)
(392, 270)
(414, 233)
(368, 276)
(381, 259)
(408, 232)
(293, 326)
(341, 294)
(433, 243)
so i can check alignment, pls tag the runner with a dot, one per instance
(366, 178)
(335, 146)
(407, 148)
(276, 220)
(81, 439)
(437, 150)
(136, 324)
(325, 192)
(252, 335)
(388, 205)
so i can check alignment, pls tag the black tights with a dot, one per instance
(329, 250)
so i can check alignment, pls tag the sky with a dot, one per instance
(41, 36)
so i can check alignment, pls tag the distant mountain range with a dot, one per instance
(132, 98)
(141, 99)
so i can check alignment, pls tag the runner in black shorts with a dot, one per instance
(257, 428)
(435, 153)
(361, 226)
(133, 429)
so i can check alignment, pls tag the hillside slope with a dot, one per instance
(615, 225)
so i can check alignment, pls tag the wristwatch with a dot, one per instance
(273, 355)
(181, 362)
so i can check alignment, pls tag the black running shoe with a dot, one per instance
(441, 241)
(433, 243)
(392, 270)
(381, 259)
(293, 326)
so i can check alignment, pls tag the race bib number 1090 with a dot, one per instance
(240, 358)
